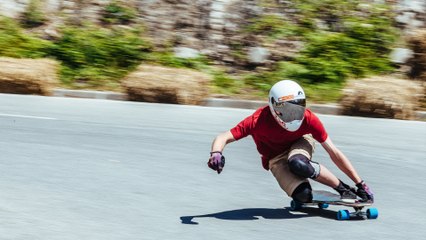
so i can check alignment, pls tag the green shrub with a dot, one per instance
(318, 92)
(15, 43)
(272, 26)
(355, 42)
(330, 12)
(224, 83)
(170, 60)
(283, 70)
(358, 42)
(333, 57)
(118, 12)
(93, 53)
(222, 80)
(33, 15)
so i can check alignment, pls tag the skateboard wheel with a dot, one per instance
(323, 205)
(294, 206)
(372, 213)
(343, 215)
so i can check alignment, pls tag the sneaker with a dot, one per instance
(348, 196)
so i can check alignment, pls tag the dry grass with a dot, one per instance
(150, 83)
(418, 62)
(28, 76)
(385, 97)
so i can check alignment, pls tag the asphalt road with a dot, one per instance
(101, 170)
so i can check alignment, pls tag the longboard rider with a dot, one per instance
(284, 133)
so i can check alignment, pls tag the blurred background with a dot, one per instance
(367, 56)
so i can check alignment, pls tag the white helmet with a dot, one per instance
(287, 102)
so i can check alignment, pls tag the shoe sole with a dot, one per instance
(349, 200)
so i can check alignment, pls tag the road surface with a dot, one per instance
(112, 170)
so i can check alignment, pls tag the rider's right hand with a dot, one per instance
(216, 161)
(364, 192)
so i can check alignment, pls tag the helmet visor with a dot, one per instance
(289, 111)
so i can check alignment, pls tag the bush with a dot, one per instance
(118, 12)
(366, 97)
(17, 44)
(333, 57)
(222, 80)
(272, 26)
(28, 76)
(167, 58)
(330, 12)
(92, 53)
(355, 42)
(33, 16)
(150, 83)
(318, 92)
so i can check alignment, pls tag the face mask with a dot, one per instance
(289, 111)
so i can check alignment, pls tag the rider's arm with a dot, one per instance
(341, 161)
(221, 140)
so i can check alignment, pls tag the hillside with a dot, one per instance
(245, 45)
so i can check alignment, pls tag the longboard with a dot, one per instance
(323, 199)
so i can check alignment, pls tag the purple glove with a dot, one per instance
(364, 192)
(216, 161)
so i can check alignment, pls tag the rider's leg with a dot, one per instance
(327, 178)
(300, 164)
(296, 186)
(303, 193)
(288, 181)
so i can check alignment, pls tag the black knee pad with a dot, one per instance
(303, 193)
(300, 165)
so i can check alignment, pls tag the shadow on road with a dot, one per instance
(266, 213)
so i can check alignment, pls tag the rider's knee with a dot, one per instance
(300, 165)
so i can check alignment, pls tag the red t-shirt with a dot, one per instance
(270, 138)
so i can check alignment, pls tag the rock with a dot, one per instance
(11, 8)
(401, 55)
(166, 85)
(384, 97)
(184, 52)
(28, 76)
(52, 6)
(412, 5)
(258, 55)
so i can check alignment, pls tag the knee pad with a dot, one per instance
(301, 166)
(303, 193)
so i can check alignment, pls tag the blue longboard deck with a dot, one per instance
(323, 198)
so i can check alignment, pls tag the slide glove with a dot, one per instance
(364, 192)
(216, 161)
